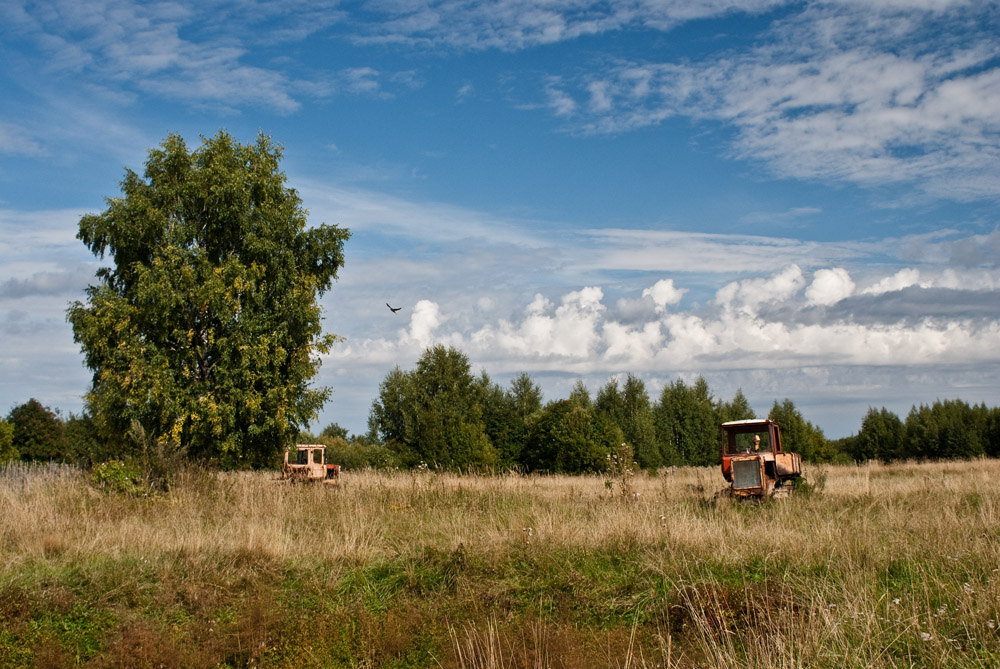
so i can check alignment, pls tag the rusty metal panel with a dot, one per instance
(787, 465)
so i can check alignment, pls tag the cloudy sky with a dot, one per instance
(797, 199)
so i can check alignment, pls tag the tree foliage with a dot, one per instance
(37, 432)
(205, 331)
(509, 415)
(7, 450)
(947, 429)
(434, 413)
(578, 434)
(571, 438)
(736, 409)
(800, 436)
(630, 410)
(881, 437)
(687, 428)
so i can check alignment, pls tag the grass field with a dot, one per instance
(873, 567)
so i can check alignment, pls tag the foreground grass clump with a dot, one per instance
(878, 566)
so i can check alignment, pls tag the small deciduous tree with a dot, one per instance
(570, 438)
(37, 431)
(434, 413)
(205, 330)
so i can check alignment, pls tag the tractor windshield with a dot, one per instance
(746, 439)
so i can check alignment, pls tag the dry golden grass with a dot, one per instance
(884, 566)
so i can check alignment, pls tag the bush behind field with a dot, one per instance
(884, 566)
(356, 455)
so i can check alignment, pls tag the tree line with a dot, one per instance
(946, 429)
(440, 415)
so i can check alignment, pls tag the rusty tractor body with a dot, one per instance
(310, 465)
(753, 462)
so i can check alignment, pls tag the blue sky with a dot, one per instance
(796, 199)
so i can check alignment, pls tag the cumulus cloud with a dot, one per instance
(423, 324)
(748, 295)
(570, 330)
(829, 286)
(663, 294)
(904, 278)
(580, 334)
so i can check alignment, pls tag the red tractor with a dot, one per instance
(753, 462)
(310, 465)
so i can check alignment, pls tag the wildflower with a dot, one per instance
(925, 636)
(896, 601)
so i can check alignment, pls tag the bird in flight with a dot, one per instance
(393, 309)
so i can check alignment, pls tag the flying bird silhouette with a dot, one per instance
(393, 309)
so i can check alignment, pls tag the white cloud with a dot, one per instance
(559, 102)
(870, 95)
(364, 210)
(748, 295)
(626, 344)
(17, 141)
(570, 332)
(580, 336)
(515, 24)
(423, 324)
(677, 251)
(829, 286)
(663, 294)
(198, 53)
(904, 278)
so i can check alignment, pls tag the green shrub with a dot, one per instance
(117, 477)
(7, 450)
(355, 456)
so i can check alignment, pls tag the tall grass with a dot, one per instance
(880, 566)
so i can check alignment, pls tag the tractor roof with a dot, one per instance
(748, 421)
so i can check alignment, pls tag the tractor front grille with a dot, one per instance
(746, 474)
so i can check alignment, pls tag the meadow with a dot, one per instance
(866, 566)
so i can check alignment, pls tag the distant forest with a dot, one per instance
(439, 415)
